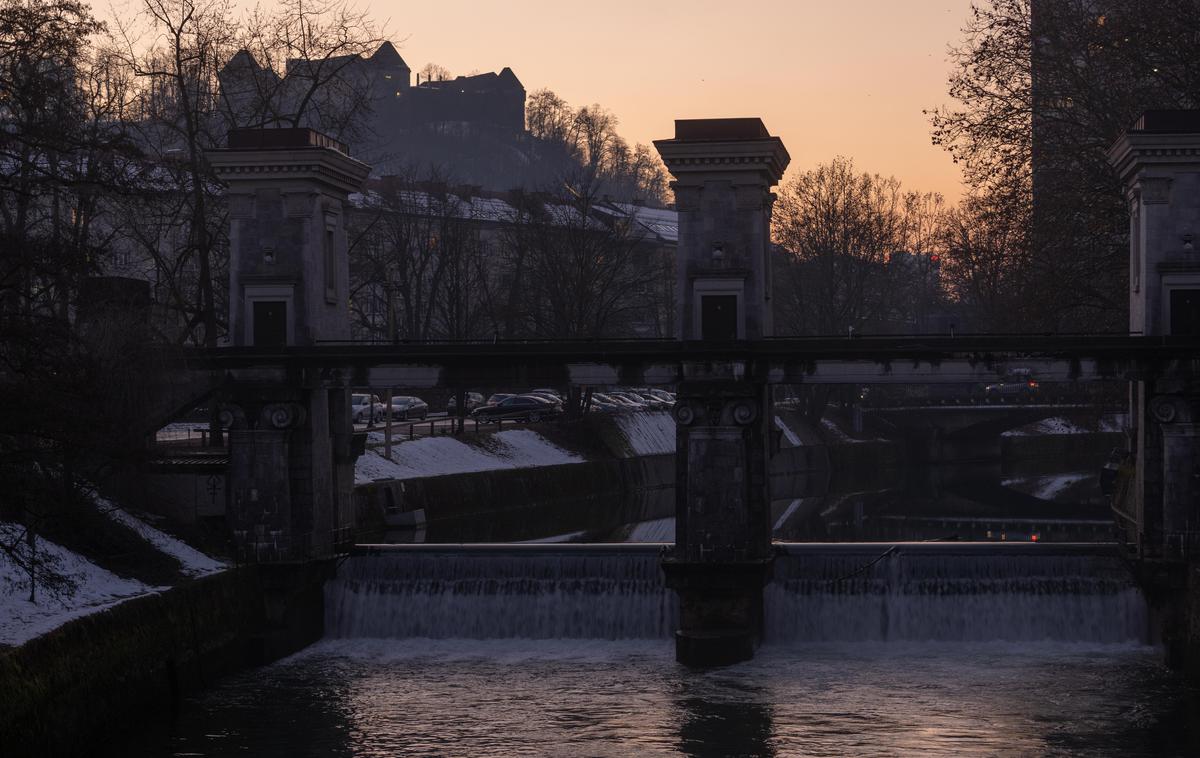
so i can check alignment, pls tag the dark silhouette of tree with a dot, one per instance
(838, 229)
(588, 136)
(1043, 88)
(434, 72)
(571, 272)
(416, 263)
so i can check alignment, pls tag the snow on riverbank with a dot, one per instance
(95, 590)
(192, 562)
(436, 456)
(1060, 425)
(648, 433)
(1049, 487)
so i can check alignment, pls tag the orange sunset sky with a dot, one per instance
(848, 77)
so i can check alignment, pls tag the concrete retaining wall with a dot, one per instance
(568, 497)
(1057, 450)
(594, 494)
(127, 668)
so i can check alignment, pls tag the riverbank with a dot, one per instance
(79, 685)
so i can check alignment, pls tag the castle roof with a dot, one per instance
(387, 54)
(490, 81)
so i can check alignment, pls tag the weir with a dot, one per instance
(292, 449)
(913, 592)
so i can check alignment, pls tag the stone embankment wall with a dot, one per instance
(1090, 449)
(575, 496)
(629, 476)
(126, 668)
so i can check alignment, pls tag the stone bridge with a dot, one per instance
(287, 375)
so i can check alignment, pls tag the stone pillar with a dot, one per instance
(1159, 162)
(291, 461)
(724, 170)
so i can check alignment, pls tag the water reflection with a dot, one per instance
(712, 728)
(367, 698)
(978, 501)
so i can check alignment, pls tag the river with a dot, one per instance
(629, 698)
(546, 650)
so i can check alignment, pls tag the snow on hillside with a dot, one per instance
(436, 456)
(192, 562)
(648, 433)
(96, 589)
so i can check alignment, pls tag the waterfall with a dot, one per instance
(967, 593)
(863, 592)
(533, 591)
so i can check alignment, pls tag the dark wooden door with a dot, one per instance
(718, 317)
(1185, 312)
(270, 323)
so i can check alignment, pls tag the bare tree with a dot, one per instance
(588, 136)
(302, 65)
(548, 117)
(189, 42)
(1042, 89)
(571, 274)
(416, 264)
(434, 72)
(838, 229)
(985, 257)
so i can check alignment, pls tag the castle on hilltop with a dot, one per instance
(465, 105)
(491, 100)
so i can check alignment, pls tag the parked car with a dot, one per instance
(1017, 384)
(547, 395)
(408, 407)
(366, 409)
(652, 401)
(633, 401)
(663, 395)
(517, 408)
(474, 400)
(601, 403)
(498, 397)
(611, 403)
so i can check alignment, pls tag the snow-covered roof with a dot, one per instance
(659, 223)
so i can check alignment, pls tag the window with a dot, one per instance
(330, 267)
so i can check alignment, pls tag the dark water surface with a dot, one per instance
(365, 697)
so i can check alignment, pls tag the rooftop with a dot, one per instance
(1169, 122)
(720, 129)
(282, 139)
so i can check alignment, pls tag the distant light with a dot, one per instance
(934, 258)
(1033, 538)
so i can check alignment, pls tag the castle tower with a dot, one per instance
(390, 66)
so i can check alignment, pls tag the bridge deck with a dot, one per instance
(898, 360)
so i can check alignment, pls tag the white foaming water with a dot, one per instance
(826, 593)
(952, 593)
(536, 594)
